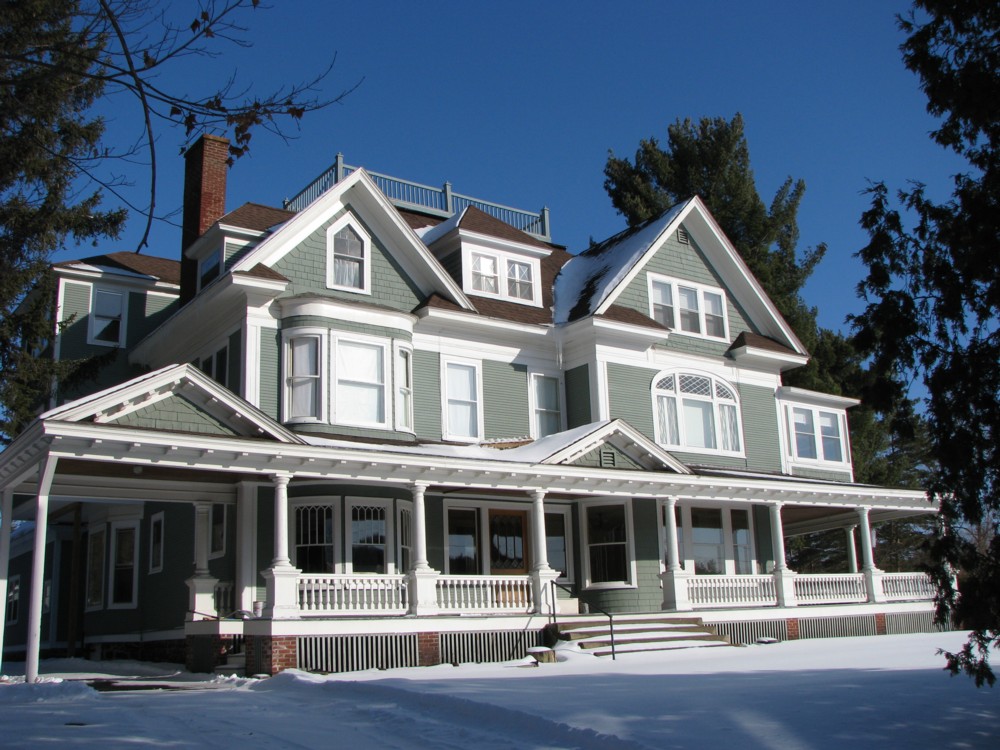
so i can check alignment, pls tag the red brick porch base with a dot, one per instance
(270, 654)
(428, 649)
(793, 628)
(880, 623)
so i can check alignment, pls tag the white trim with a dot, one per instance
(348, 220)
(446, 431)
(154, 565)
(339, 311)
(587, 583)
(114, 527)
(123, 294)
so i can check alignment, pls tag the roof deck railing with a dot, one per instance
(442, 201)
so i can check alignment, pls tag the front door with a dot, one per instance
(508, 542)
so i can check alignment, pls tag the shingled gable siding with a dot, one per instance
(175, 414)
(593, 459)
(305, 267)
(631, 399)
(577, 382)
(505, 400)
(270, 372)
(682, 261)
(647, 596)
(427, 394)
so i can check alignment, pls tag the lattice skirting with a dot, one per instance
(489, 646)
(743, 632)
(351, 653)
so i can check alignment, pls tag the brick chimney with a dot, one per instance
(205, 168)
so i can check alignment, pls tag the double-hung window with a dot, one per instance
(315, 540)
(96, 541)
(360, 384)
(697, 411)
(156, 543)
(816, 434)
(463, 401)
(216, 366)
(546, 404)
(107, 319)
(348, 257)
(687, 307)
(404, 389)
(608, 555)
(712, 541)
(370, 532)
(304, 377)
(519, 282)
(484, 274)
(124, 555)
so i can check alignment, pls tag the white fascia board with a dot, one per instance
(606, 433)
(815, 398)
(334, 309)
(231, 231)
(456, 322)
(116, 277)
(611, 330)
(490, 242)
(752, 356)
(737, 275)
(20, 459)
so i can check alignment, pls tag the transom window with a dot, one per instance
(697, 411)
(348, 257)
(688, 308)
(816, 435)
(107, 320)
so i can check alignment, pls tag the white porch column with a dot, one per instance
(6, 522)
(542, 575)
(46, 471)
(852, 550)
(873, 576)
(674, 578)
(784, 579)
(201, 585)
(422, 578)
(282, 577)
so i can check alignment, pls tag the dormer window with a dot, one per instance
(519, 283)
(484, 274)
(502, 276)
(348, 257)
(687, 307)
(107, 319)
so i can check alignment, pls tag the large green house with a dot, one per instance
(391, 424)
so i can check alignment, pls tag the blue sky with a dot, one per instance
(519, 103)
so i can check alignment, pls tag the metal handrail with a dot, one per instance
(611, 618)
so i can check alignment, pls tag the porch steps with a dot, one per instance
(235, 664)
(638, 633)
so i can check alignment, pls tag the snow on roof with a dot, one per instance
(586, 280)
(433, 234)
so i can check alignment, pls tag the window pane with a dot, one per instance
(729, 423)
(462, 382)
(156, 544)
(360, 389)
(123, 575)
(555, 542)
(463, 542)
(107, 316)
(829, 425)
(805, 433)
(663, 304)
(348, 259)
(368, 532)
(463, 412)
(95, 569)
(690, 321)
(667, 414)
(606, 541)
(209, 270)
(314, 540)
(484, 274)
(606, 524)
(547, 411)
(707, 541)
(404, 390)
(218, 543)
(519, 280)
(699, 424)
(304, 383)
(507, 542)
(741, 541)
(608, 563)
(715, 322)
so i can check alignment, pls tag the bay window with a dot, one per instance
(360, 384)
(304, 378)
(697, 411)
(817, 435)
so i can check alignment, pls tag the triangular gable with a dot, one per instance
(175, 398)
(360, 192)
(591, 283)
(582, 446)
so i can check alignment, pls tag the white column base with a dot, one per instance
(201, 600)
(675, 591)
(282, 592)
(423, 591)
(784, 587)
(543, 590)
(873, 585)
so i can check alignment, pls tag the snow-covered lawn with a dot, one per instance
(848, 693)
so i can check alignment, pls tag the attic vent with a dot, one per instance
(682, 236)
(608, 459)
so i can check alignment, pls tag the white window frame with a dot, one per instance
(402, 406)
(336, 533)
(820, 461)
(350, 503)
(535, 409)
(287, 337)
(482, 532)
(446, 431)
(156, 565)
(12, 604)
(366, 256)
(215, 257)
(701, 289)
(94, 603)
(502, 263)
(716, 402)
(588, 582)
(92, 329)
(213, 552)
(403, 507)
(209, 363)
(114, 527)
(685, 534)
(385, 382)
(568, 575)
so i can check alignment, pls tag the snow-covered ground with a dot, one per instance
(883, 692)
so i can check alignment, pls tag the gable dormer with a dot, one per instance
(489, 258)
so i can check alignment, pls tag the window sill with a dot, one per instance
(610, 586)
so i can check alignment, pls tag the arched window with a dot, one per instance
(696, 411)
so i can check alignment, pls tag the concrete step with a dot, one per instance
(647, 637)
(633, 648)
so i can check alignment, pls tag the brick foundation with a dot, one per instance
(270, 654)
(205, 652)
(793, 628)
(880, 623)
(428, 649)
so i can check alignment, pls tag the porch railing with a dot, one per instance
(728, 591)
(903, 586)
(353, 594)
(485, 594)
(840, 588)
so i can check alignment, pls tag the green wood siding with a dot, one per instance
(688, 262)
(833, 476)
(577, 383)
(427, 394)
(270, 372)
(505, 400)
(175, 414)
(305, 267)
(629, 396)
(759, 410)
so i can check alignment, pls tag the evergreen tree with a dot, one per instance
(933, 308)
